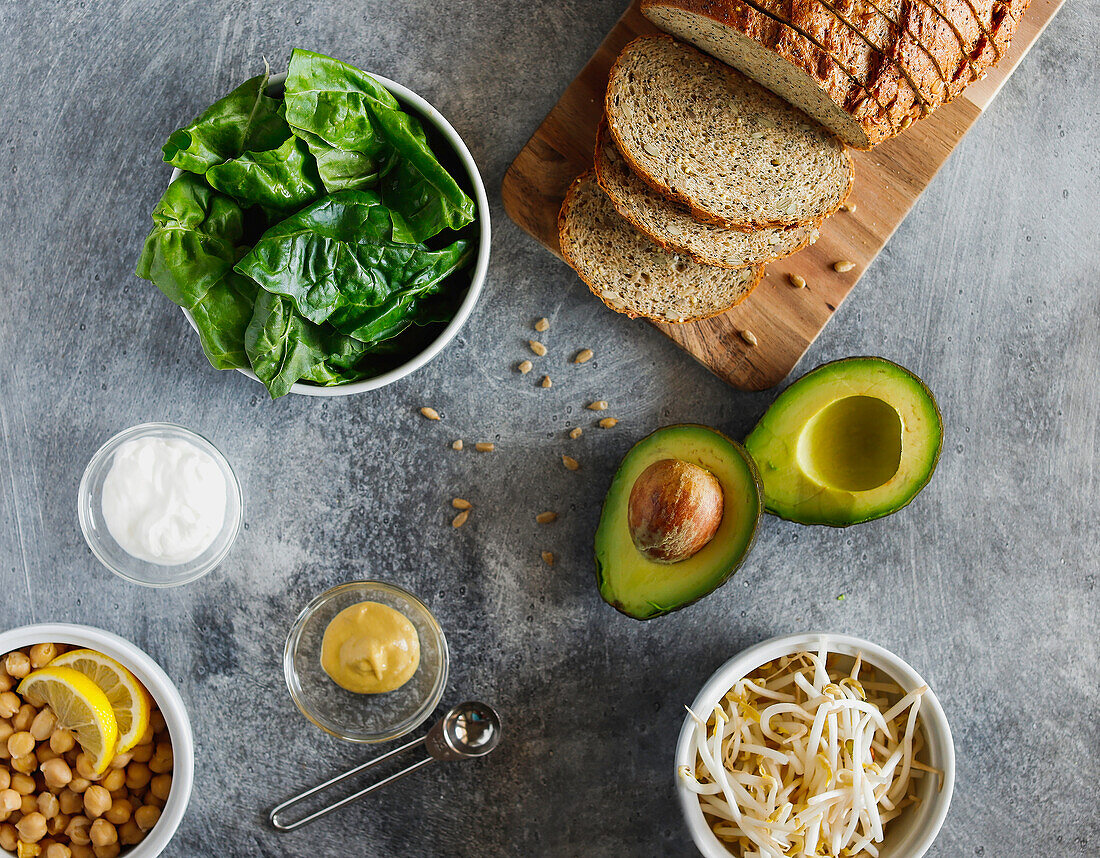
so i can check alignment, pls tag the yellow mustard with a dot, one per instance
(370, 648)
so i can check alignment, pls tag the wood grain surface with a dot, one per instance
(785, 320)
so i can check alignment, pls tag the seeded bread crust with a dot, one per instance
(633, 275)
(703, 134)
(790, 62)
(672, 226)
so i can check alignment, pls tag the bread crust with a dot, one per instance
(603, 138)
(564, 241)
(698, 213)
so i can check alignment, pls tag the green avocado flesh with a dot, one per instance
(851, 441)
(641, 588)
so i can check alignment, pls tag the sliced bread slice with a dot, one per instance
(704, 134)
(632, 274)
(671, 225)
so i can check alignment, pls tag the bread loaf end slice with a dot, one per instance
(632, 274)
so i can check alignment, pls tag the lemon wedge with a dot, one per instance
(128, 698)
(80, 706)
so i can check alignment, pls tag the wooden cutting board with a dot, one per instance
(784, 320)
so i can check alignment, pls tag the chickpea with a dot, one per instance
(138, 776)
(5, 778)
(43, 752)
(6, 682)
(20, 744)
(120, 811)
(6, 729)
(26, 764)
(79, 784)
(9, 704)
(119, 793)
(42, 654)
(142, 753)
(22, 784)
(156, 721)
(120, 761)
(57, 824)
(28, 804)
(43, 725)
(160, 786)
(82, 851)
(129, 833)
(111, 850)
(70, 802)
(17, 664)
(146, 816)
(48, 805)
(97, 801)
(62, 741)
(58, 850)
(162, 758)
(114, 779)
(9, 801)
(77, 830)
(31, 827)
(56, 773)
(22, 719)
(103, 833)
(9, 837)
(84, 767)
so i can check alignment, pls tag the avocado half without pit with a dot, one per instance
(849, 442)
(678, 520)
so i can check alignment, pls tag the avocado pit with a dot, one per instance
(675, 508)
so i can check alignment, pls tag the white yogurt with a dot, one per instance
(163, 500)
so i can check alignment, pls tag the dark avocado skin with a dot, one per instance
(916, 487)
(753, 511)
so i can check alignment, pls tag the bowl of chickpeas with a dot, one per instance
(54, 803)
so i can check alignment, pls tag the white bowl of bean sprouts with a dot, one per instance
(815, 741)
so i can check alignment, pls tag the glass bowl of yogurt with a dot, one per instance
(159, 505)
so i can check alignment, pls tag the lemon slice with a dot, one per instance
(128, 698)
(80, 706)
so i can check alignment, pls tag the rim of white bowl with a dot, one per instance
(477, 279)
(163, 690)
(937, 730)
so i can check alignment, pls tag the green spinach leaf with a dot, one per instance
(193, 241)
(279, 180)
(222, 316)
(339, 253)
(282, 347)
(247, 119)
(345, 169)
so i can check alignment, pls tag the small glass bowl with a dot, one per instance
(364, 717)
(111, 554)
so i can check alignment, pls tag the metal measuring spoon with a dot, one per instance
(468, 730)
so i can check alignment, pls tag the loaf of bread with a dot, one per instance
(897, 59)
(632, 274)
(703, 134)
(672, 226)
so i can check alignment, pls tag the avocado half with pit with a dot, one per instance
(678, 520)
(849, 442)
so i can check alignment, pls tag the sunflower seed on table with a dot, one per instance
(546, 382)
(749, 337)
(598, 405)
(608, 422)
(537, 347)
(542, 324)
(575, 432)
(485, 446)
(843, 266)
(583, 356)
(797, 281)
(546, 517)
(525, 366)
(571, 463)
(461, 503)
(460, 519)
(456, 444)
(430, 413)
(548, 558)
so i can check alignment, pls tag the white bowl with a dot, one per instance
(908, 836)
(429, 114)
(158, 684)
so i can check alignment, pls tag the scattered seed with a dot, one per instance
(608, 422)
(548, 558)
(843, 265)
(430, 413)
(798, 281)
(461, 503)
(546, 382)
(484, 447)
(537, 347)
(456, 445)
(575, 432)
(598, 405)
(571, 463)
(460, 519)
(546, 517)
(542, 324)
(749, 337)
(525, 366)
(583, 356)
(851, 207)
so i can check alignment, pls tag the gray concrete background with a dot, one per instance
(986, 584)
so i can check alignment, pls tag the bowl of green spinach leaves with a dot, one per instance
(326, 231)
